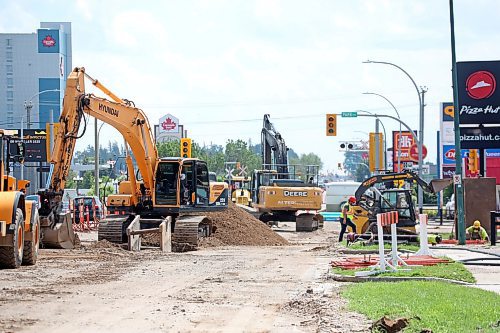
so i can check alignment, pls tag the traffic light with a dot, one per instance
(331, 124)
(473, 161)
(186, 148)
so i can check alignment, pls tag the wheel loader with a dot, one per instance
(19, 221)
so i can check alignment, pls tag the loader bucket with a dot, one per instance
(438, 185)
(60, 234)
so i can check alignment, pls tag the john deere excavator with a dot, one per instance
(169, 186)
(278, 193)
(390, 192)
(19, 221)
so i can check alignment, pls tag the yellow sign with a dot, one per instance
(374, 138)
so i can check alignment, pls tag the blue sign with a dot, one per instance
(492, 153)
(48, 41)
(449, 154)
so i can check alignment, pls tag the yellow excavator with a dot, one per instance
(172, 187)
(19, 221)
(278, 193)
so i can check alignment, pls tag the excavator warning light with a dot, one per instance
(331, 124)
(185, 147)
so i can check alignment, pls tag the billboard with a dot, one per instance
(35, 145)
(478, 96)
(48, 41)
(402, 145)
(476, 138)
(168, 124)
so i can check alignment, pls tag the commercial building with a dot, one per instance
(33, 71)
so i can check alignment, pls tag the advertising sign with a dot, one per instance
(478, 96)
(48, 40)
(448, 171)
(449, 155)
(406, 141)
(35, 145)
(475, 138)
(169, 124)
(447, 111)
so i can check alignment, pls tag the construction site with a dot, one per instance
(220, 222)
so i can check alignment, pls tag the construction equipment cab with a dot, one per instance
(19, 221)
(162, 187)
(390, 192)
(281, 192)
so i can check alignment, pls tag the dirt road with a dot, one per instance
(231, 289)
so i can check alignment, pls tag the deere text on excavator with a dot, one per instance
(278, 193)
(169, 186)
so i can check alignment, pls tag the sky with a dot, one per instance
(219, 66)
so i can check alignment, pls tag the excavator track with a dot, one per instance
(188, 230)
(112, 229)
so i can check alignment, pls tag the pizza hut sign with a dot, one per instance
(478, 94)
(169, 124)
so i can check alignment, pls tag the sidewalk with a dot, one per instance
(488, 277)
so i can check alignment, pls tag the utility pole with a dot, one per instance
(459, 191)
(96, 160)
(377, 144)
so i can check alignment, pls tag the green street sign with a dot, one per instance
(349, 114)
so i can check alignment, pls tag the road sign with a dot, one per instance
(349, 114)
(457, 179)
(414, 152)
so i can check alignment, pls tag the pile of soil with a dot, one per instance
(235, 226)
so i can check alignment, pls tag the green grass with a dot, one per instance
(442, 307)
(387, 246)
(453, 271)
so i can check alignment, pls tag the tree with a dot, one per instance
(70, 183)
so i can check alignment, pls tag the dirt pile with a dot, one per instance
(233, 226)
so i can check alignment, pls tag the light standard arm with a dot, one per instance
(421, 124)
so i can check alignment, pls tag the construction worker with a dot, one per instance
(476, 232)
(346, 216)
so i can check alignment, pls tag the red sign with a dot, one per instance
(414, 152)
(168, 124)
(48, 41)
(480, 84)
(401, 146)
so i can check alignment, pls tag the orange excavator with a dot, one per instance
(175, 187)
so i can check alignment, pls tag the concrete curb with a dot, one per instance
(344, 278)
(349, 251)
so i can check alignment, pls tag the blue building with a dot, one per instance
(33, 72)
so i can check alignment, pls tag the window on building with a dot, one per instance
(9, 69)
(9, 55)
(9, 42)
(10, 82)
(10, 95)
(10, 107)
(10, 121)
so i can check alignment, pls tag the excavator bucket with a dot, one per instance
(438, 185)
(59, 235)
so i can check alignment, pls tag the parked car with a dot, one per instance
(92, 203)
(34, 197)
(450, 208)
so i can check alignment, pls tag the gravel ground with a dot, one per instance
(103, 288)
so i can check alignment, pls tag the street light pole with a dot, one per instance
(420, 142)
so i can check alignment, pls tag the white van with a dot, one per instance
(337, 193)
